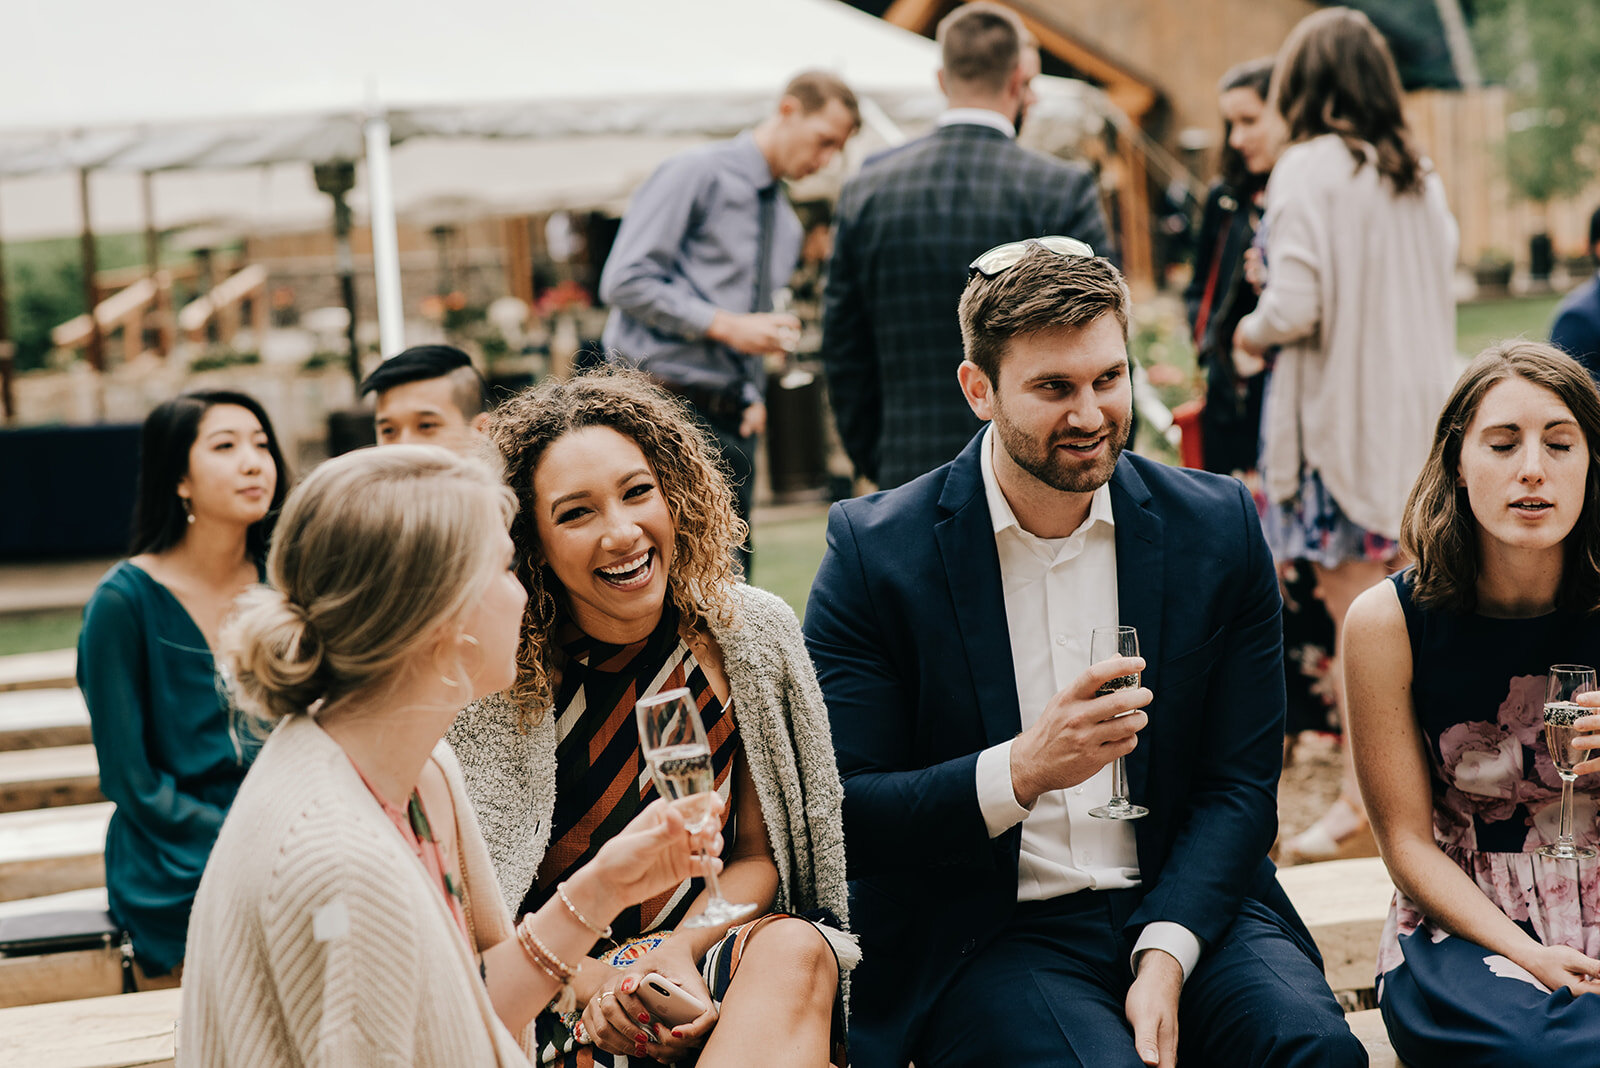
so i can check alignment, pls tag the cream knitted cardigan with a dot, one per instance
(1360, 297)
(782, 722)
(317, 938)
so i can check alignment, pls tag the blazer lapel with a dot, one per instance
(1141, 589)
(972, 569)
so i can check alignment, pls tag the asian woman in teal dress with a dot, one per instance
(171, 753)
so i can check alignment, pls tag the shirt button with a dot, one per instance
(1061, 639)
(1088, 858)
(1077, 790)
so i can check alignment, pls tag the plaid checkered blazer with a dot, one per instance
(907, 227)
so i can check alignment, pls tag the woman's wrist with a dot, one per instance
(589, 899)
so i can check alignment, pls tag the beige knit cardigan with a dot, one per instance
(317, 938)
(1360, 297)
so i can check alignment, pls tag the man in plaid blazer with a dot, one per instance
(908, 226)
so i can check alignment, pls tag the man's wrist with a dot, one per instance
(1024, 785)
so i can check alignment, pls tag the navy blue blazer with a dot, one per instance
(907, 626)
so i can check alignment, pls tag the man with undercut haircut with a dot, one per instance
(428, 395)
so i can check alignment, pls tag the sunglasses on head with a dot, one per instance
(1003, 257)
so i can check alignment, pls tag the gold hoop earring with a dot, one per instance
(544, 603)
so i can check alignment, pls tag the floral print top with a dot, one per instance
(1478, 688)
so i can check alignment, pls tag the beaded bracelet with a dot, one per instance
(540, 956)
(599, 932)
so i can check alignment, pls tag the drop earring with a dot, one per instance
(188, 512)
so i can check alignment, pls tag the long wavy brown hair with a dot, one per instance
(1439, 530)
(693, 483)
(1335, 75)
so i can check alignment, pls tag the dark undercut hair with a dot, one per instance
(1042, 291)
(422, 362)
(980, 44)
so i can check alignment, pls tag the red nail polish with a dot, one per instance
(677, 1034)
(644, 1017)
(641, 1038)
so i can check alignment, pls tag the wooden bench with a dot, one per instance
(32, 779)
(52, 850)
(1344, 903)
(41, 718)
(110, 1032)
(29, 980)
(35, 671)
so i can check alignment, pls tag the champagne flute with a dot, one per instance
(1561, 714)
(675, 747)
(1108, 643)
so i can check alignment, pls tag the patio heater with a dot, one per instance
(336, 179)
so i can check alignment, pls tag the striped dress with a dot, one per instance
(603, 781)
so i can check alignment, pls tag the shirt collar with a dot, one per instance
(750, 162)
(977, 117)
(1000, 513)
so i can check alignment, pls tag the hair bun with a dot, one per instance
(273, 655)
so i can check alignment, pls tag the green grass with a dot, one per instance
(39, 632)
(1480, 323)
(787, 556)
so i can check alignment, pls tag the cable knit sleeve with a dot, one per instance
(510, 777)
(343, 961)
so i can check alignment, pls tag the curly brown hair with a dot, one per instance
(694, 484)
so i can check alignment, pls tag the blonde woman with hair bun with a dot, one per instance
(349, 914)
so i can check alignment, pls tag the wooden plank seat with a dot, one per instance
(52, 850)
(109, 1032)
(33, 779)
(39, 719)
(1367, 1025)
(35, 671)
(1344, 903)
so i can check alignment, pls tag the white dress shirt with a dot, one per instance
(1056, 591)
(976, 117)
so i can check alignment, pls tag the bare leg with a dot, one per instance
(1346, 818)
(779, 1008)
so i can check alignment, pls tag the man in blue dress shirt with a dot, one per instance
(706, 242)
(1577, 327)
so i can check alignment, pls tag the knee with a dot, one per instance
(796, 948)
(1342, 1049)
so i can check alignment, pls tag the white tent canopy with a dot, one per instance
(231, 83)
(234, 85)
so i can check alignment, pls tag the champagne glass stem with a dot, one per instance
(1119, 782)
(1564, 839)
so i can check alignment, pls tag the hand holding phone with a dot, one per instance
(667, 1001)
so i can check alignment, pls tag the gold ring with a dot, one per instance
(605, 994)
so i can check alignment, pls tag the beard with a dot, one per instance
(1046, 461)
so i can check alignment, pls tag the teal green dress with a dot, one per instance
(172, 754)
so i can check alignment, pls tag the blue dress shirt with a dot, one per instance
(687, 248)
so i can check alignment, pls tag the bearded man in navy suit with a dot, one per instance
(1000, 921)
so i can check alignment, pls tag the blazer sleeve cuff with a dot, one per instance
(997, 800)
(1173, 938)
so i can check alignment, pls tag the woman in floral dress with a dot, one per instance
(1489, 947)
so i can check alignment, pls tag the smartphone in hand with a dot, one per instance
(667, 1001)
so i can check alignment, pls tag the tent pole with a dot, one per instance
(8, 367)
(385, 240)
(94, 348)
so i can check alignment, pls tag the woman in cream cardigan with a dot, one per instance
(349, 914)
(1360, 264)
(625, 542)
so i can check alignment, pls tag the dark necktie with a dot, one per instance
(767, 209)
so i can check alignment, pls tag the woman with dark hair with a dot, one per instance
(625, 540)
(211, 478)
(1359, 300)
(1219, 295)
(1488, 943)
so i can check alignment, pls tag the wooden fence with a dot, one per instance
(1464, 134)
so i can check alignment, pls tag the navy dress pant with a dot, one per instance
(1050, 990)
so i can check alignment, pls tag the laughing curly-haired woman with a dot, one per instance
(625, 540)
